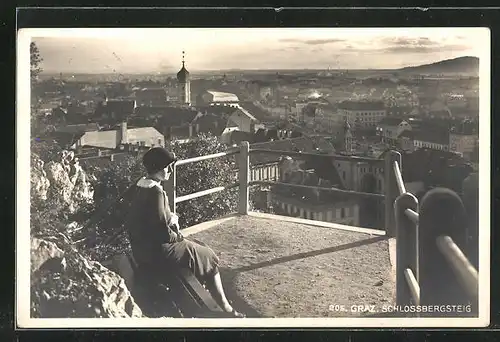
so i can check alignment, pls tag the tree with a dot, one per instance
(35, 61)
(205, 175)
(113, 179)
(35, 70)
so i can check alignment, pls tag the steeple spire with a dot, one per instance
(183, 55)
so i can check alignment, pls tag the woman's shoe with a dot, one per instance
(237, 314)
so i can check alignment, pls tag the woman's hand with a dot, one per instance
(174, 223)
(174, 220)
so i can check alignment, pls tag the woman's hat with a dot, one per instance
(157, 159)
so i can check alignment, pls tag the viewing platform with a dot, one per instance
(268, 255)
(281, 266)
(278, 266)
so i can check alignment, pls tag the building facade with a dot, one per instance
(389, 129)
(112, 139)
(340, 212)
(463, 143)
(362, 114)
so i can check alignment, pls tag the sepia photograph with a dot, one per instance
(253, 177)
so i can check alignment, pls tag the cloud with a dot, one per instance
(417, 45)
(409, 41)
(423, 49)
(313, 41)
(290, 48)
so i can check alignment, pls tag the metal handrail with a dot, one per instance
(205, 192)
(457, 261)
(276, 152)
(307, 154)
(207, 157)
(412, 282)
(334, 190)
(399, 177)
(460, 265)
(412, 215)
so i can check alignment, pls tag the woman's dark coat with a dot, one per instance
(154, 240)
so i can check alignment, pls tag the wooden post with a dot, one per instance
(406, 247)
(170, 188)
(391, 191)
(442, 213)
(243, 172)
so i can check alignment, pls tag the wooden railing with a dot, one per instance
(431, 267)
(432, 270)
(244, 181)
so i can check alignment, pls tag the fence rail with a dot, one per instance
(244, 182)
(431, 265)
(355, 194)
(338, 157)
(431, 268)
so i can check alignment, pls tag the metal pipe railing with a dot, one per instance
(333, 156)
(399, 178)
(426, 261)
(457, 260)
(332, 190)
(412, 282)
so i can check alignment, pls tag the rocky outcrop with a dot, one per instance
(64, 284)
(39, 181)
(69, 181)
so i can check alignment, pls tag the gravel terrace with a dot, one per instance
(273, 268)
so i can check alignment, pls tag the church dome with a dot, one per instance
(183, 74)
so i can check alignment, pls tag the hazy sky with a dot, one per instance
(160, 50)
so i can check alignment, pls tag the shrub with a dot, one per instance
(114, 178)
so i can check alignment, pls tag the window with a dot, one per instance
(342, 213)
(159, 142)
(343, 175)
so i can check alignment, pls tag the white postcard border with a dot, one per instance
(22, 304)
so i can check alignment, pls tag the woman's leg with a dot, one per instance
(214, 285)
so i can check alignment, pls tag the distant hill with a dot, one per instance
(460, 65)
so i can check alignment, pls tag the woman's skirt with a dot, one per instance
(200, 259)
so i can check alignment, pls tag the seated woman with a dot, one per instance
(154, 230)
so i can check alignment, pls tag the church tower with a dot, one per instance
(347, 137)
(184, 84)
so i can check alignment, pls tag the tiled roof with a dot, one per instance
(418, 164)
(257, 112)
(399, 110)
(301, 144)
(210, 123)
(169, 116)
(120, 106)
(66, 139)
(441, 113)
(142, 132)
(151, 92)
(78, 128)
(236, 137)
(242, 111)
(433, 135)
(362, 105)
(390, 121)
(217, 110)
(406, 134)
(220, 96)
